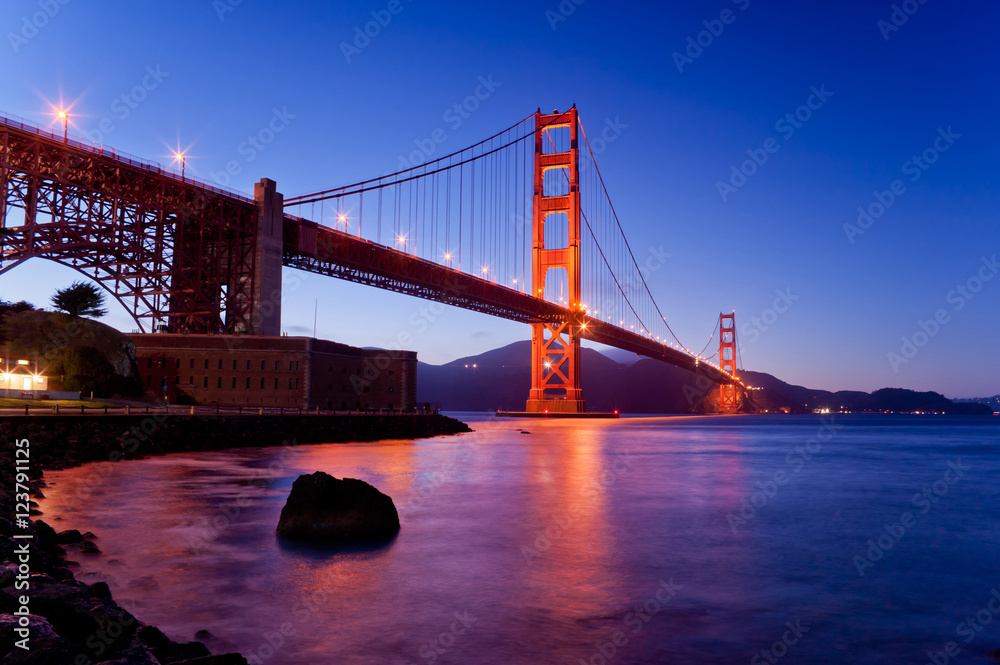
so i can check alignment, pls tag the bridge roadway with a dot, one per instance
(314, 248)
(30, 154)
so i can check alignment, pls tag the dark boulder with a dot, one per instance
(46, 534)
(43, 642)
(69, 536)
(167, 651)
(88, 547)
(100, 590)
(324, 509)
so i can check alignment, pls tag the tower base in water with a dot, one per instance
(556, 406)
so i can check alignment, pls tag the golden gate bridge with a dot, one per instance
(520, 226)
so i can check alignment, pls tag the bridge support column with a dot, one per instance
(265, 319)
(729, 401)
(555, 346)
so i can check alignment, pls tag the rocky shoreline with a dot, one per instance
(80, 624)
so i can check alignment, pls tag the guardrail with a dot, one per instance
(99, 149)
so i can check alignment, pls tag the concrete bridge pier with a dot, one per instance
(266, 314)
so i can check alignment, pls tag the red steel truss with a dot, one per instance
(174, 252)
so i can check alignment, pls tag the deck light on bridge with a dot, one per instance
(64, 116)
(342, 218)
(179, 156)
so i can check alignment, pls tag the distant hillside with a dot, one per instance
(500, 379)
(992, 402)
(778, 395)
(621, 355)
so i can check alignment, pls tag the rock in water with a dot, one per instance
(324, 509)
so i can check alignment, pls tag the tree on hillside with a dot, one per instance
(80, 299)
(11, 306)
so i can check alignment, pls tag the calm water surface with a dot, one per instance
(684, 540)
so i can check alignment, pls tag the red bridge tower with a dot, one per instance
(555, 347)
(729, 401)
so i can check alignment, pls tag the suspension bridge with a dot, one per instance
(519, 226)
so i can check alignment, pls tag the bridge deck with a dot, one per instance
(311, 247)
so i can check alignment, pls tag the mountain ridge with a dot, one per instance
(499, 379)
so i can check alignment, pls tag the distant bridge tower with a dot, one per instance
(555, 346)
(729, 401)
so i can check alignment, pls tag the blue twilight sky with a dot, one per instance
(215, 72)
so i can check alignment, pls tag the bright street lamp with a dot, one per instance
(180, 156)
(64, 116)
